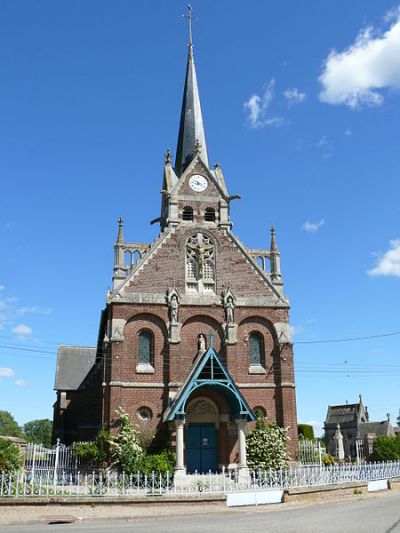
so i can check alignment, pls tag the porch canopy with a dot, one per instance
(210, 373)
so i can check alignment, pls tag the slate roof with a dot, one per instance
(73, 365)
(191, 128)
(377, 428)
(342, 414)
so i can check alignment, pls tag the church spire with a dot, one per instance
(191, 129)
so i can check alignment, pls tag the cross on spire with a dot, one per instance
(190, 18)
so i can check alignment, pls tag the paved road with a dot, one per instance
(372, 515)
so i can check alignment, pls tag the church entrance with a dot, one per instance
(201, 448)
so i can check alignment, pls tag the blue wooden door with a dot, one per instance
(201, 448)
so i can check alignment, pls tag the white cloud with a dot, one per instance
(322, 142)
(2, 287)
(6, 372)
(294, 96)
(295, 330)
(357, 75)
(312, 227)
(348, 132)
(21, 383)
(22, 330)
(34, 310)
(389, 262)
(257, 107)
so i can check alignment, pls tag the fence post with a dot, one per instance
(33, 463)
(320, 454)
(56, 463)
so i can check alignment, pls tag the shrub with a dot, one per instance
(11, 458)
(267, 446)
(328, 460)
(161, 463)
(126, 452)
(386, 448)
(97, 451)
(305, 431)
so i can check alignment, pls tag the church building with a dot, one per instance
(194, 341)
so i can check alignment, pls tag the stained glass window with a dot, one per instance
(256, 349)
(145, 348)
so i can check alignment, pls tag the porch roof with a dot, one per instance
(210, 373)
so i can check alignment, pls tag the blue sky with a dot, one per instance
(301, 108)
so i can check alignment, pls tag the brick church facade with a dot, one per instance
(194, 339)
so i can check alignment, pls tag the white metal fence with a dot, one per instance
(311, 451)
(109, 484)
(41, 461)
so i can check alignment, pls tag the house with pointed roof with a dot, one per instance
(194, 338)
(357, 430)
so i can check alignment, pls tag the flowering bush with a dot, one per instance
(267, 446)
(126, 452)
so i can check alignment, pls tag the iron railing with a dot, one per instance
(110, 484)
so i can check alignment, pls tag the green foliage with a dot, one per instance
(328, 460)
(126, 452)
(11, 458)
(305, 431)
(386, 448)
(161, 463)
(266, 446)
(97, 451)
(39, 431)
(8, 425)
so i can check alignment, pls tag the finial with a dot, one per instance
(197, 147)
(274, 247)
(190, 18)
(120, 237)
(168, 156)
(360, 398)
(388, 416)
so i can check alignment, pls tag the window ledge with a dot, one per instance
(144, 368)
(257, 369)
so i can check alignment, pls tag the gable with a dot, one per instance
(234, 267)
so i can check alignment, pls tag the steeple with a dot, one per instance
(191, 129)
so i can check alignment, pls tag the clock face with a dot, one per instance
(198, 183)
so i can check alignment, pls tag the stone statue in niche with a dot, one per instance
(173, 309)
(202, 344)
(229, 303)
(173, 301)
(229, 307)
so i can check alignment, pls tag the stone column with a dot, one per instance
(180, 468)
(242, 463)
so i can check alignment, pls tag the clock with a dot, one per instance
(198, 183)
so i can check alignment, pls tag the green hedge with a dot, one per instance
(305, 431)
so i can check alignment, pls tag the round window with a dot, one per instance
(144, 414)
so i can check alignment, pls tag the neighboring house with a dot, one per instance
(356, 429)
(195, 335)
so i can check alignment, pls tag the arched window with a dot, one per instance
(145, 351)
(187, 213)
(256, 347)
(209, 214)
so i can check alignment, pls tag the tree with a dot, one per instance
(386, 448)
(8, 425)
(398, 418)
(267, 446)
(10, 457)
(126, 451)
(39, 431)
